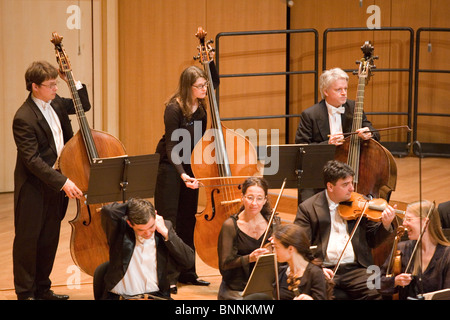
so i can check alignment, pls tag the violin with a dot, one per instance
(395, 262)
(358, 205)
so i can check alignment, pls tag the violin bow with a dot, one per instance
(273, 213)
(266, 234)
(366, 206)
(346, 134)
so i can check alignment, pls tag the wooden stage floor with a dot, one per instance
(67, 279)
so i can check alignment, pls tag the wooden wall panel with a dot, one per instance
(25, 31)
(251, 96)
(387, 91)
(152, 47)
(157, 42)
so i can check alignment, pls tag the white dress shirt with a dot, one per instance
(53, 122)
(141, 275)
(338, 238)
(334, 117)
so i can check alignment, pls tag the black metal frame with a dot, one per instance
(286, 73)
(401, 148)
(396, 148)
(429, 149)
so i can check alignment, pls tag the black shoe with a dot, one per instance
(50, 295)
(173, 289)
(196, 282)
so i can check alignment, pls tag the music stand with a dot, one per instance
(300, 164)
(121, 178)
(263, 276)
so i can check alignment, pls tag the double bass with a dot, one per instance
(221, 161)
(88, 244)
(374, 166)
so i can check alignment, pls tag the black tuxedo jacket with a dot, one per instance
(313, 216)
(314, 126)
(36, 149)
(122, 240)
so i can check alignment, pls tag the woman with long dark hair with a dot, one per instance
(176, 194)
(301, 278)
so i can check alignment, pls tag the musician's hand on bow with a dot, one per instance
(256, 253)
(387, 216)
(364, 133)
(303, 297)
(336, 139)
(403, 279)
(328, 273)
(190, 182)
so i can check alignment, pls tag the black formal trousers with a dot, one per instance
(35, 245)
(178, 204)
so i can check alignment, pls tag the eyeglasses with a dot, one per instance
(409, 219)
(253, 198)
(201, 86)
(51, 85)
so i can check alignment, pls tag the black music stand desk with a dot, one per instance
(300, 164)
(121, 178)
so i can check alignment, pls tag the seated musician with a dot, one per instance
(320, 220)
(326, 121)
(141, 245)
(302, 277)
(240, 238)
(435, 253)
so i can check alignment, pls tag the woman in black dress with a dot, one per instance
(240, 239)
(176, 194)
(301, 278)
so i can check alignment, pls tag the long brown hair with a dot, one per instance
(434, 228)
(184, 91)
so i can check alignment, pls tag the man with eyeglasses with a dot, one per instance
(41, 127)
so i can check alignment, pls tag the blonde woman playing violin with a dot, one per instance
(435, 252)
